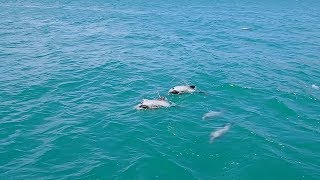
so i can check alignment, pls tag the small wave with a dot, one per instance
(280, 106)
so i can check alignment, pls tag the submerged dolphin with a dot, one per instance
(182, 89)
(153, 104)
(216, 134)
(211, 114)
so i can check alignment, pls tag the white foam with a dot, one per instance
(315, 87)
(245, 28)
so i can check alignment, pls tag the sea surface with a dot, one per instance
(71, 73)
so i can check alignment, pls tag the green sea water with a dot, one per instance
(71, 73)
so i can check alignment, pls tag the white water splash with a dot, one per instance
(245, 28)
(315, 87)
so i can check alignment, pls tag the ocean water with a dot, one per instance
(71, 73)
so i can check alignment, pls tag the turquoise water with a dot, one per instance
(71, 73)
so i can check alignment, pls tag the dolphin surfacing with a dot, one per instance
(182, 89)
(153, 103)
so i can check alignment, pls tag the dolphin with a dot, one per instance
(182, 89)
(216, 134)
(153, 103)
(211, 114)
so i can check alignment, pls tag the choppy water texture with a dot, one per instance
(71, 73)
